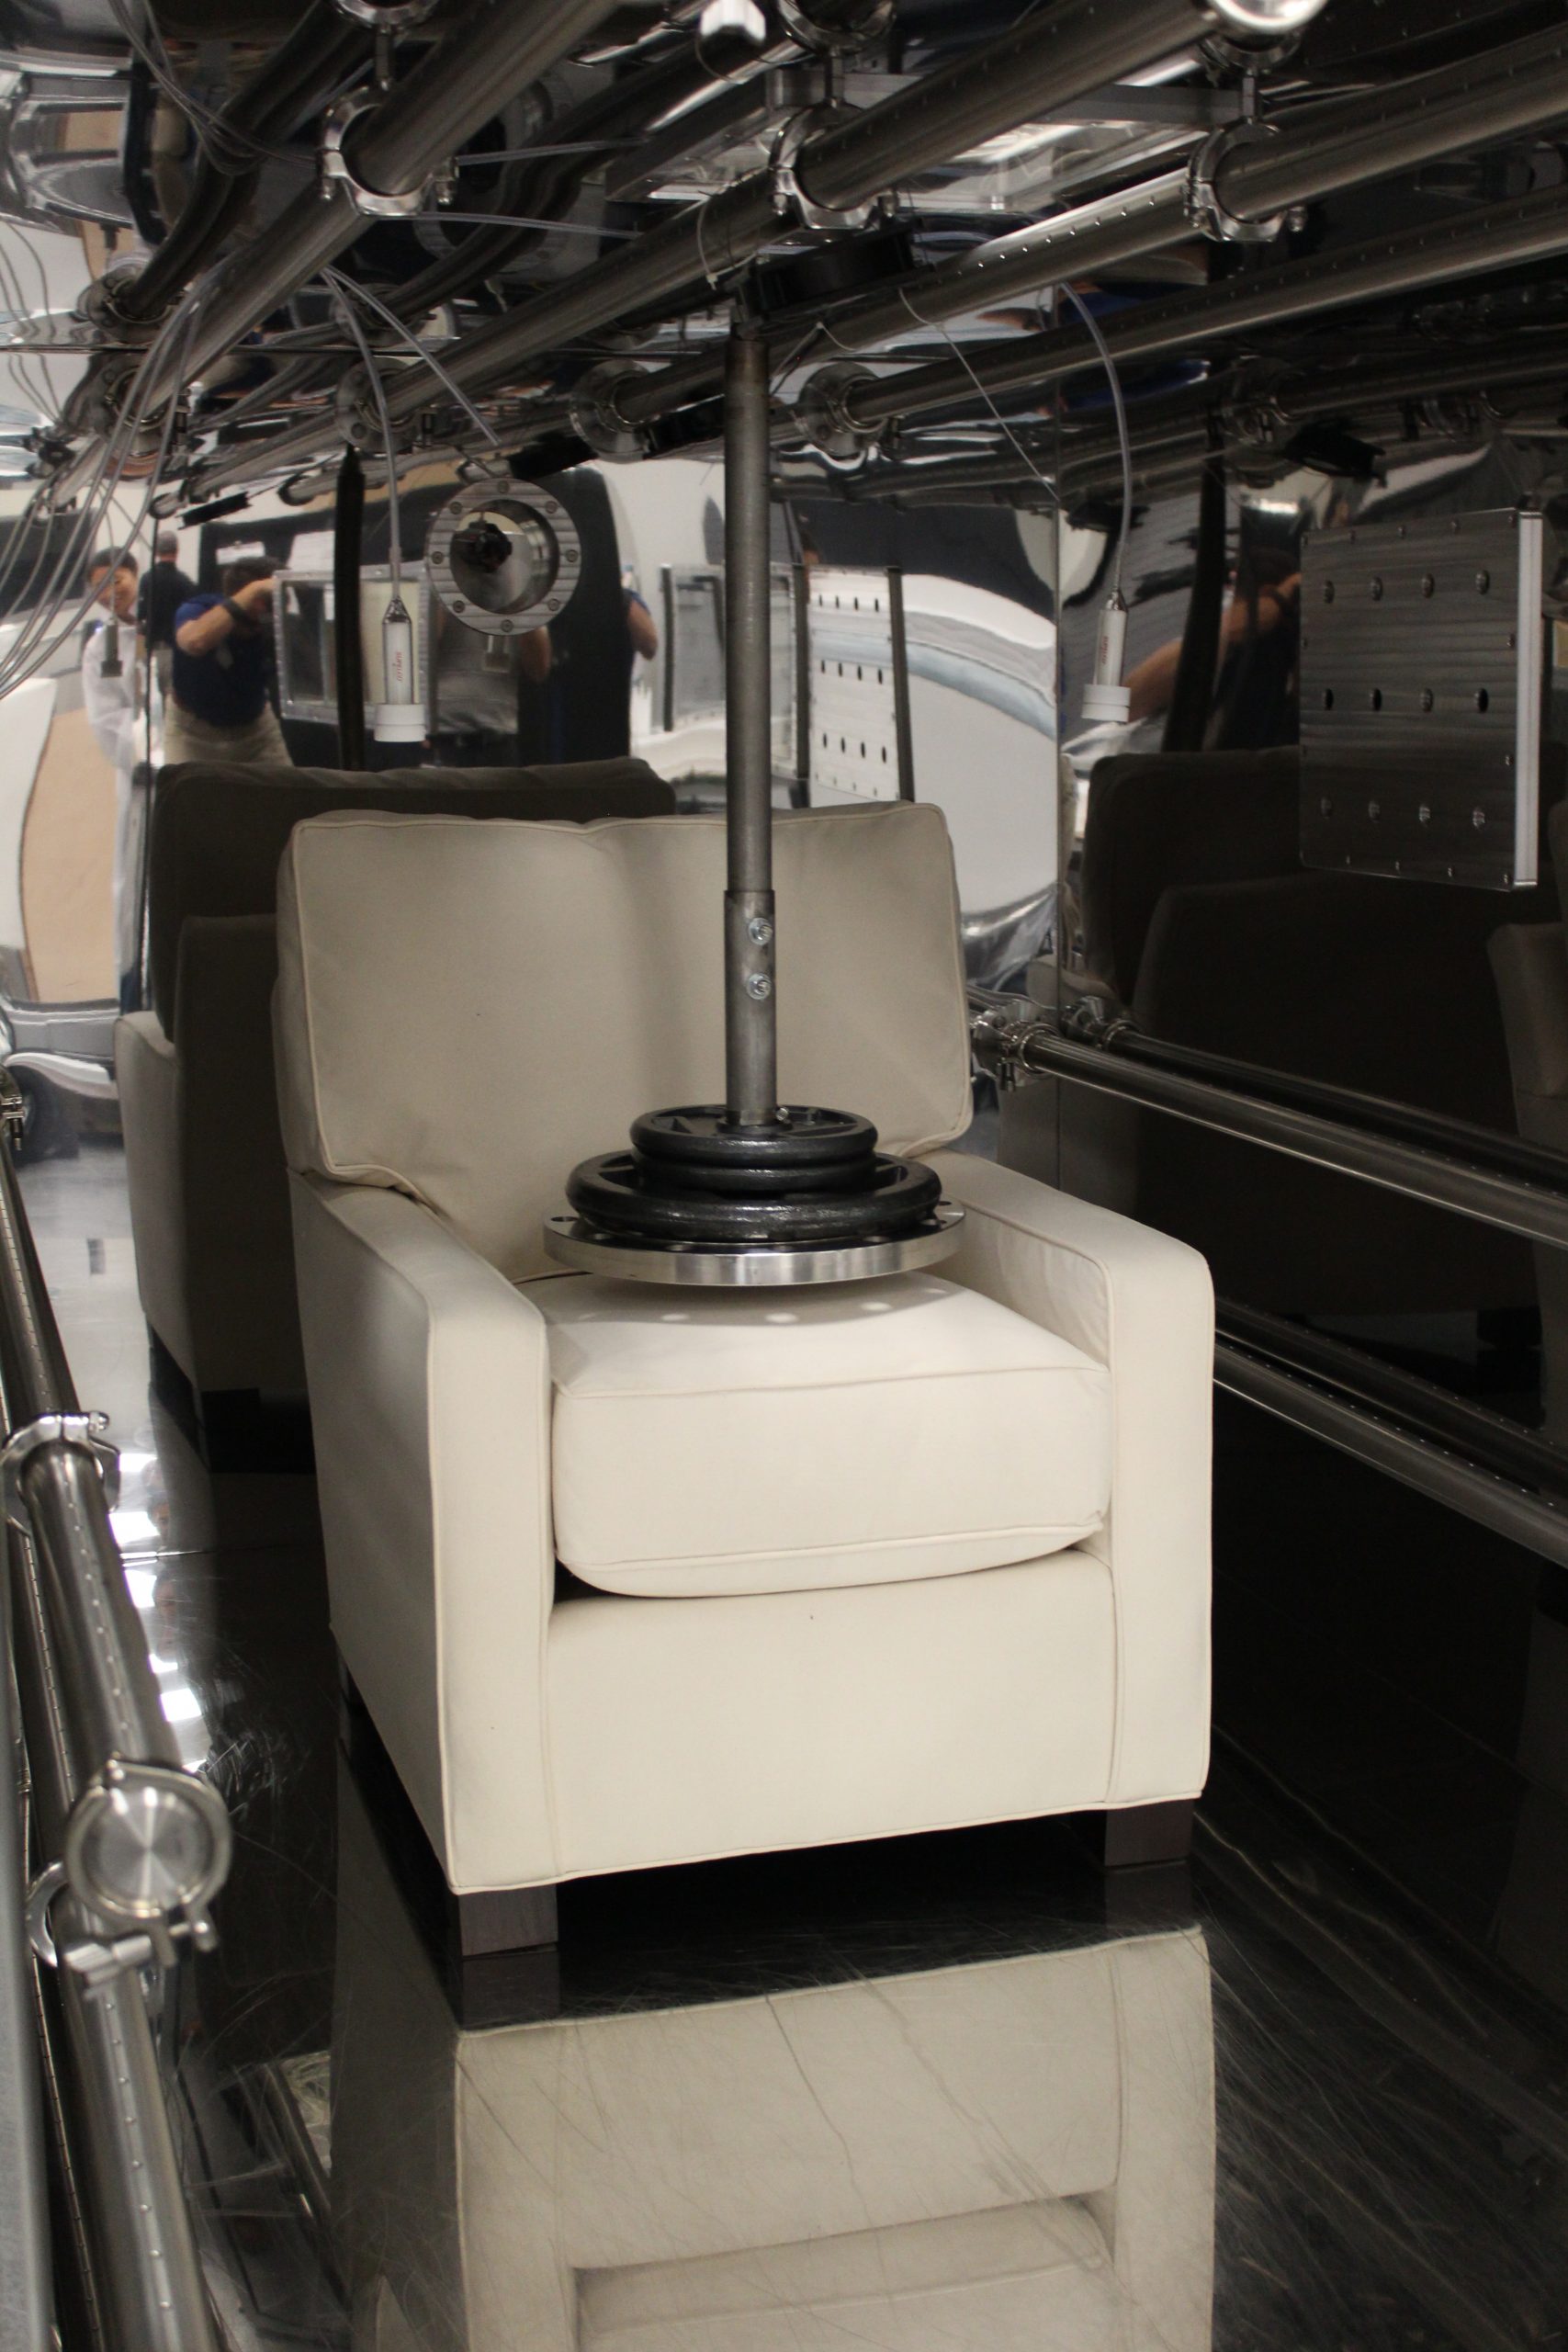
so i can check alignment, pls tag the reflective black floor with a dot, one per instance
(947, 2092)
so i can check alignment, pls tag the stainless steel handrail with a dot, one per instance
(134, 1846)
(1008, 1039)
(24, 2209)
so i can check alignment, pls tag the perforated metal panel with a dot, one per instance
(854, 725)
(1422, 647)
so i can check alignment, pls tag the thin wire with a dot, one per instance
(394, 519)
(1120, 405)
(1048, 486)
(519, 220)
(205, 124)
(472, 161)
(347, 285)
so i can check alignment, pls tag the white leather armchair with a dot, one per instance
(1016, 2155)
(843, 1562)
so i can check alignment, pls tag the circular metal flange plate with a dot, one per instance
(759, 1265)
(516, 501)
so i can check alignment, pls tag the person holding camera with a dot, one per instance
(221, 688)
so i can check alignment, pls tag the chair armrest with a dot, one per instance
(1144, 1305)
(147, 1077)
(429, 1392)
(1529, 964)
(241, 1250)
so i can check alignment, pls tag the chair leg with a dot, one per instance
(521, 1918)
(1141, 1833)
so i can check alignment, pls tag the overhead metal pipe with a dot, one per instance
(298, 75)
(1503, 235)
(1466, 1170)
(1310, 154)
(496, 49)
(1044, 62)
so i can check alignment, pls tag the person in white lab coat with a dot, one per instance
(114, 687)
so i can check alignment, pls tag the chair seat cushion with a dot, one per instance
(732, 1442)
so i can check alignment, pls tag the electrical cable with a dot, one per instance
(421, 350)
(1119, 404)
(522, 221)
(1048, 486)
(205, 125)
(394, 521)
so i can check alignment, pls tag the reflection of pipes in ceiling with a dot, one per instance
(1042, 64)
(1311, 155)
(1498, 237)
(299, 76)
(1329, 148)
(494, 49)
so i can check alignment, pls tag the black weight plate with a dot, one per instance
(605, 1193)
(669, 1179)
(699, 1136)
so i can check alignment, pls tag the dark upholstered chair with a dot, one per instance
(1204, 925)
(208, 1191)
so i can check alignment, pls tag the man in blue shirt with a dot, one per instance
(220, 705)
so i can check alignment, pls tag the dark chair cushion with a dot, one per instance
(1160, 820)
(218, 832)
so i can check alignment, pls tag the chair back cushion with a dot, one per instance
(218, 832)
(464, 1012)
(1155, 818)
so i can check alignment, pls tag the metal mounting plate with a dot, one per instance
(762, 1266)
(1422, 647)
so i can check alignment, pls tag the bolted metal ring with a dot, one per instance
(823, 416)
(595, 417)
(519, 502)
(146, 1842)
(337, 174)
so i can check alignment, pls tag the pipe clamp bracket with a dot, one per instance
(790, 199)
(337, 171)
(1206, 208)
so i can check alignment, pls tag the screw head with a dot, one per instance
(759, 986)
(759, 931)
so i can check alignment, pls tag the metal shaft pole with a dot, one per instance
(750, 1041)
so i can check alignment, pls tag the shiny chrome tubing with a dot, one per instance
(1382, 1440)
(1537, 1208)
(750, 1007)
(109, 2102)
(94, 1636)
(1311, 155)
(1047, 61)
(1528, 229)
(143, 1843)
(497, 48)
(24, 2207)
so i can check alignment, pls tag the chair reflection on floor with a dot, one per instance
(1014, 2153)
